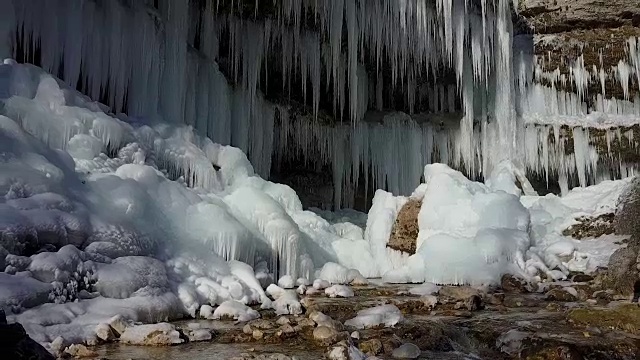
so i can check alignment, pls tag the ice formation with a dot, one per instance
(415, 39)
(100, 209)
(470, 124)
(385, 315)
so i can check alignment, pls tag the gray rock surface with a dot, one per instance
(15, 344)
(627, 217)
(623, 274)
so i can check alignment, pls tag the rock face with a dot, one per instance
(404, 234)
(15, 344)
(623, 274)
(628, 210)
(597, 31)
(554, 16)
(560, 295)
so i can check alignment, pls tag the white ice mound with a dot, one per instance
(468, 232)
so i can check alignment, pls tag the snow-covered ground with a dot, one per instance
(103, 216)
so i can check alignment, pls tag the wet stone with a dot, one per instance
(371, 347)
(579, 278)
(512, 284)
(560, 295)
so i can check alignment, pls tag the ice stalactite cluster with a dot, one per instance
(384, 151)
(577, 155)
(565, 98)
(207, 64)
(76, 176)
(164, 62)
(141, 60)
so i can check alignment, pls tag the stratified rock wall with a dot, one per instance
(556, 16)
(597, 32)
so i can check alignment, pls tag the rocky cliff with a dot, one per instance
(596, 32)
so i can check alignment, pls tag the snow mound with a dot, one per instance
(235, 310)
(286, 301)
(126, 275)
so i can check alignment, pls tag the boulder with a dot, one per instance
(371, 347)
(622, 273)
(512, 284)
(628, 210)
(457, 293)
(325, 335)
(15, 344)
(406, 351)
(161, 334)
(558, 294)
(80, 351)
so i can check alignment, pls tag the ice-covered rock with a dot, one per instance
(320, 284)
(286, 282)
(235, 310)
(126, 275)
(104, 332)
(285, 301)
(206, 312)
(80, 351)
(339, 291)
(429, 301)
(194, 333)
(160, 334)
(22, 291)
(406, 351)
(387, 315)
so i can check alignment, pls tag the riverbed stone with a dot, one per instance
(325, 334)
(406, 351)
(371, 347)
(79, 351)
(512, 284)
(257, 334)
(559, 294)
(622, 273)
